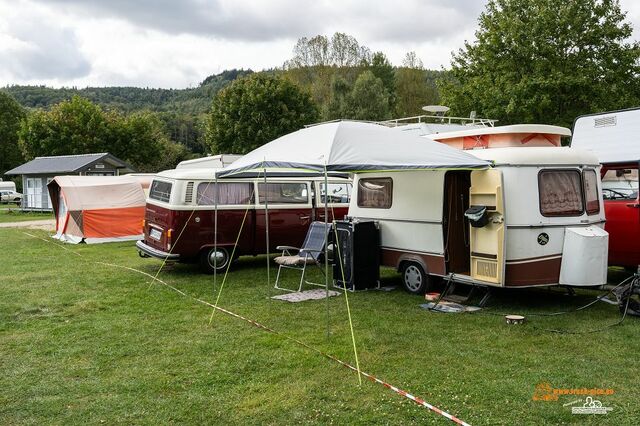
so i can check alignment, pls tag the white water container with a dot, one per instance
(584, 256)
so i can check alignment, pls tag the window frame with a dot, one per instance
(260, 199)
(170, 192)
(580, 184)
(213, 184)
(334, 203)
(386, 207)
(584, 191)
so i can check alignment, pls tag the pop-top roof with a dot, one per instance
(67, 164)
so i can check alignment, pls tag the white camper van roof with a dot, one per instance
(213, 161)
(536, 156)
(614, 136)
(210, 174)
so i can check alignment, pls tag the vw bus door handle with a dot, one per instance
(304, 217)
(634, 205)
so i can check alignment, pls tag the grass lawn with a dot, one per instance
(12, 213)
(86, 343)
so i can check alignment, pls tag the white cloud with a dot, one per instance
(33, 47)
(170, 43)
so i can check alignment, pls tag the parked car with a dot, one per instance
(10, 197)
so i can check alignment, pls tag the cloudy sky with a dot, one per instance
(177, 43)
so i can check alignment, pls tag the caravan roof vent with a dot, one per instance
(188, 195)
(609, 120)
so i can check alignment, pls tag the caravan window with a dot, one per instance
(231, 193)
(375, 193)
(592, 201)
(160, 191)
(338, 192)
(283, 193)
(560, 193)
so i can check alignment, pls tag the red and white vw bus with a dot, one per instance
(180, 214)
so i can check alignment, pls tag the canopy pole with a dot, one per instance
(215, 231)
(266, 219)
(326, 245)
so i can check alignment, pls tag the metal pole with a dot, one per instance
(266, 218)
(215, 231)
(326, 244)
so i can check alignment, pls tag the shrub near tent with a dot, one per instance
(97, 209)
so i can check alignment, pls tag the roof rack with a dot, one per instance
(441, 119)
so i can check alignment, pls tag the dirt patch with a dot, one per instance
(44, 224)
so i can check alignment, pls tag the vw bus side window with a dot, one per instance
(338, 192)
(560, 193)
(375, 193)
(592, 201)
(231, 193)
(160, 191)
(283, 193)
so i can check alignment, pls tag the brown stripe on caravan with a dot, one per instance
(537, 272)
(433, 263)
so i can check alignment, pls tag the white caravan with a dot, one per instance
(534, 219)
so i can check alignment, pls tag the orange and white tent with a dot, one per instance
(97, 209)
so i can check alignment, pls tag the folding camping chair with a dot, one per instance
(311, 253)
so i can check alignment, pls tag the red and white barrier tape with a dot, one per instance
(374, 379)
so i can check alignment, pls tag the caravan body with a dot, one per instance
(542, 207)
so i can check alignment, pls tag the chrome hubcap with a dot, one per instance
(412, 278)
(218, 258)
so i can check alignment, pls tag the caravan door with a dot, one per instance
(487, 243)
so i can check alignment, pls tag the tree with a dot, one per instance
(368, 100)
(342, 50)
(11, 113)
(545, 61)
(337, 106)
(254, 110)
(412, 91)
(382, 68)
(78, 126)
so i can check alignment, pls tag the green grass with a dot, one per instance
(85, 343)
(12, 213)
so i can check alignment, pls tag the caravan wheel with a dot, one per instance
(214, 260)
(414, 278)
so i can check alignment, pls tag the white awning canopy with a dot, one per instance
(349, 146)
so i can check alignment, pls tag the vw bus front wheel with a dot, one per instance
(414, 278)
(214, 260)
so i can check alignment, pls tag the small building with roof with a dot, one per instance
(37, 173)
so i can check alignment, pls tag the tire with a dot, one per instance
(414, 278)
(208, 263)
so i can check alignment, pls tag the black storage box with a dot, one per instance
(358, 251)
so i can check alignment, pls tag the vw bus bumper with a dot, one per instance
(148, 251)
